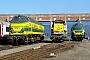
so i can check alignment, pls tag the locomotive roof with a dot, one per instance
(78, 24)
(60, 21)
(22, 19)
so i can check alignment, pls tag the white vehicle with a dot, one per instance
(4, 29)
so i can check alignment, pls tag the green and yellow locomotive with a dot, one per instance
(78, 31)
(25, 29)
(59, 30)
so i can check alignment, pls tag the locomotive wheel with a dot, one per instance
(15, 42)
(41, 39)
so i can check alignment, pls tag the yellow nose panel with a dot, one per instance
(59, 27)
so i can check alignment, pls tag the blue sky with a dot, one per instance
(44, 6)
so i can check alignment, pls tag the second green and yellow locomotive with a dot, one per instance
(78, 31)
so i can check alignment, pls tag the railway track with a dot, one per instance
(38, 52)
(8, 46)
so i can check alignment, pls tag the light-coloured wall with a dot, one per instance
(41, 17)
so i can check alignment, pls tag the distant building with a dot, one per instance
(48, 17)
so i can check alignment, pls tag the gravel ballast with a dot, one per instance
(79, 52)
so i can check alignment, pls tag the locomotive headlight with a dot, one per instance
(82, 32)
(73, 31)
(44, 35)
